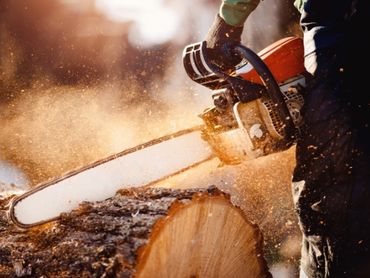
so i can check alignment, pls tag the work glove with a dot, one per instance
(221, 39)
(226, 32)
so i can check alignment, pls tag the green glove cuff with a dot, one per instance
(236, 12)
(299, 4)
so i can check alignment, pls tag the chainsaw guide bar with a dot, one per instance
(139, 166)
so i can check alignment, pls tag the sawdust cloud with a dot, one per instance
(49, 131)
(73, 88)
(263, 190)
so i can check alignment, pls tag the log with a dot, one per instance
(152, 232)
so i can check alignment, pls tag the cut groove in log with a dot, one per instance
(140, 233)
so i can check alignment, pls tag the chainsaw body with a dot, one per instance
(257, 108)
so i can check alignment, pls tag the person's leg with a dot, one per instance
(322, 178)
(331, 187)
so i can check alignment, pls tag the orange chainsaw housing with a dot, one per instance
(284, 58)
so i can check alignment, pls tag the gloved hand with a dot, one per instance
(226, 32)
(221, 39)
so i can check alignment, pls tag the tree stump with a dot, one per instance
(139, 233)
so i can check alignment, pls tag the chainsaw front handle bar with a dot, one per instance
(272, 88)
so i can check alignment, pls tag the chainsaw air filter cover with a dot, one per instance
(199, 70)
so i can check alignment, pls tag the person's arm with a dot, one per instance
(236, 12)
(299, 4)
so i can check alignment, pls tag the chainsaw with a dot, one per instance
(256, 112)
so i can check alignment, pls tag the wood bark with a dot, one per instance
(138, 233)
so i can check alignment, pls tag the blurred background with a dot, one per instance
(80, 80)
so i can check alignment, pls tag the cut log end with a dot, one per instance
(207, 237)
(142, 233)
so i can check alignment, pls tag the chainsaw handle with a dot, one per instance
(272, 87)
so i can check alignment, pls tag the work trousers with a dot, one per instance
(331, 181)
